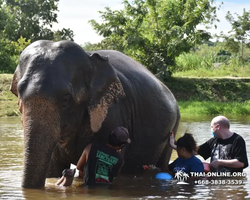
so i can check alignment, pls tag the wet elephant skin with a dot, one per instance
(69, 98)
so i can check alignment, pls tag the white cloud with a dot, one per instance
(233, 7)
(75, 14)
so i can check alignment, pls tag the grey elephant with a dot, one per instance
(69, 98)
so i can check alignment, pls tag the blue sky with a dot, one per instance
(75, 14)
(238, 2)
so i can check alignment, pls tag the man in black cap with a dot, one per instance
(101, 163)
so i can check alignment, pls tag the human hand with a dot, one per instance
(80, 174)
(172, 140)
(215, 164)
(119, 151)
(65, 181)
(67, 178)
(150, 167)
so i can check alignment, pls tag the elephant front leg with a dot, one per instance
(58, 163)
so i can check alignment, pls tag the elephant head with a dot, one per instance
(63, 92)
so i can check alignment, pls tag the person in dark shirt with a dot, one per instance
(226, 149)
(99, 163)
(186, 162)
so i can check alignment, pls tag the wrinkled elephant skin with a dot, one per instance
(69, 98)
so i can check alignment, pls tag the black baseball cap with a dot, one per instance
(119, 136)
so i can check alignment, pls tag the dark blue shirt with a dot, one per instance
(192, 164)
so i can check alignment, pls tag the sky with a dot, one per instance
(75, 14)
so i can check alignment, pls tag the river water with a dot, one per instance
(142, 186)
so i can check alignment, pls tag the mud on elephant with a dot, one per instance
(69, 98)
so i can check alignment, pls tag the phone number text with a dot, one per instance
(218, 182)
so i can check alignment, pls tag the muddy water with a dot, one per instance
(142, 186)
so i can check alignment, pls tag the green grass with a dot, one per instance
(195, 96)
(211, 96)
(214, 108)
(205, 65)
(8, 101)
(210, 89)
(223, 71)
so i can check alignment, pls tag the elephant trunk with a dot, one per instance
(41, 133)
(36, 163)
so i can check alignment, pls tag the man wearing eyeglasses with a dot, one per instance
(226, 149)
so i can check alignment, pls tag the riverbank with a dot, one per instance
(8, 101)
(196, 96)
(211, 96)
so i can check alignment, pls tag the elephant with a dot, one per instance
(69, 98)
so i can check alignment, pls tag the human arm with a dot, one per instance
(205, 150)
(67, 177)
(172, 165)
(172, 141)
(68, 174)
(119, 170)
(83, 159)
(239, 160)
(174, 146)
(233, 163)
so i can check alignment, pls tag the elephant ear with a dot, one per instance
(15, 79)
(105, 90)
(13, 86)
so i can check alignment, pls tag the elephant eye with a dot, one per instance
(65, 101)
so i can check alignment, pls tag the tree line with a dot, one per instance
(23, 22)
(154, 32)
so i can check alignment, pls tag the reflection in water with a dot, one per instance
(142, 186)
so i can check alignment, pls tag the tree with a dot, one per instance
(5, 47)
(9, 54)
(64, 34)
(87, 46)
(239, 36)
(33, 19)
(154, 32)
(22, 20)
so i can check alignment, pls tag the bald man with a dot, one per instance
(226, 149)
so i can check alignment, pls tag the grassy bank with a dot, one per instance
(8, 101)
(212, 96)
(196, 96)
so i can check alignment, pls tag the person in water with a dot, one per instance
(100, 163)
(186, 162)
(226, 149)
